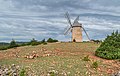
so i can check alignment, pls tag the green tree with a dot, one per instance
(13, 44)
(43, 41)
(34, 42)
(52, 40)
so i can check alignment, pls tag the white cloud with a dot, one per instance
(26, 19)
(6, 5)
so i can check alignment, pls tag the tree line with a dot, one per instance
(33, 42)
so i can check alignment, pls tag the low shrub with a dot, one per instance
(34, 42)
(52, 40)
(110, 48)
(24, 44)
(95, 65)
(22, 72)
(53, 73)
(45, 43)
(3, 48)
(86, 58)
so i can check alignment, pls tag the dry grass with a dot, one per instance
(65, 59)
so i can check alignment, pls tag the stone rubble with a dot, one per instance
(32, 55)
(12, 70)
(116, 74)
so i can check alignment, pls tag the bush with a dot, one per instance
(3, 48)
(53, 73)
(110, 48)
(96, 41)
(24, 44)
(52, 40)
(34, 42)
(95, 65)
(22, 72)
(86, 58)
(45, 43)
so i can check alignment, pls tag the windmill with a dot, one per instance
(76, 28)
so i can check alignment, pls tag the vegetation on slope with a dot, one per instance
(52, 40)
(12, 44)
(60, 59)
(33, 42)
(110, 48)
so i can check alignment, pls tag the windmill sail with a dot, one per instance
(69, 21)
(67, 30)
(76, 20)
(86, 33)
(68, 18)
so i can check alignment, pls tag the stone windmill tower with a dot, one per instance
(76, 28)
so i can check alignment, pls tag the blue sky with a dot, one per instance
(23, 20)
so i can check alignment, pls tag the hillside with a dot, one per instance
(62, 59)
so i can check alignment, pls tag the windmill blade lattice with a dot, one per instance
(76, 20)
(86, 33)
(68, 18)
(67, 30)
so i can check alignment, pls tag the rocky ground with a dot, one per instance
(12, 70)
(63, 58)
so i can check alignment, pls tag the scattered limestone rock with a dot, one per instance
(116, 74)
(31, 56)
(12, 70)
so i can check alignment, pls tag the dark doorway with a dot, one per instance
(74, 40)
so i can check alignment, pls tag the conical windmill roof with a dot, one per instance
(77, 24)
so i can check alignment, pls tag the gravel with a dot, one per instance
(12, 70)
(116, 74)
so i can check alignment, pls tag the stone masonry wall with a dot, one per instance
(77, 34)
